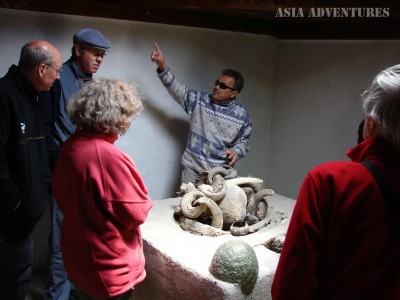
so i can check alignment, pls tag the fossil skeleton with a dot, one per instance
(221, 203)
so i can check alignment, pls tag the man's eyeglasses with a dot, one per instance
(58, 71)
(223, 86)
(364, 95)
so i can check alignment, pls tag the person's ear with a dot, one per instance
(370, 128)
(234, 94)
(78, 50)
(41, 69)
(371, 123)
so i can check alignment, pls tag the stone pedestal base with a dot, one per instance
(177, 262)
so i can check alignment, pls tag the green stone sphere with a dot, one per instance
(236, 262)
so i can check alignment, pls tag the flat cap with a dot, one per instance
(92, 38)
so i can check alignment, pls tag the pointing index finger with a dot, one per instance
(157, 48)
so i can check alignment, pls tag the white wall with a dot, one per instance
(157, 137)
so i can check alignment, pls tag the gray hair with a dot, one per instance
(382, 103)
(31, 57)
(105, 106)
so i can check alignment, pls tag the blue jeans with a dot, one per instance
(57, 287)
(15, 263)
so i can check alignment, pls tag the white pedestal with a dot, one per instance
(177, 262)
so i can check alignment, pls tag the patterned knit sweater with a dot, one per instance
(214, 126)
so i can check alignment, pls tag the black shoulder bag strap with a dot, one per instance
(385, 188)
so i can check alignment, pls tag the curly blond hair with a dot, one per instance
(105, 106)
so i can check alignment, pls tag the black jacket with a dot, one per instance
(24, 172)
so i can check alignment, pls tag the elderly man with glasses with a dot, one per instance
(88, 51)
(220, 126)
(24, 175)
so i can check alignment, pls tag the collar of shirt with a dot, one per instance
(224, 103)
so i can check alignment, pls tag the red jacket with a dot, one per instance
(343, 242)
(104, 200)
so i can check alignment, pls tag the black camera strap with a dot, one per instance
(384, 186)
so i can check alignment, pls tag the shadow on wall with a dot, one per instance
(176, 128)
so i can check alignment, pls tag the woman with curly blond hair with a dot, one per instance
(101, 194)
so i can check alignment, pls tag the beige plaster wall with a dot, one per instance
(316, 106)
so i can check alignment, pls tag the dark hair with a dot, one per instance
(73, 53)
(31, 57)
(239, 80)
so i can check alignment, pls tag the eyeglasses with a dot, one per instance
(223, 86)
(58, 71)
(364, 95)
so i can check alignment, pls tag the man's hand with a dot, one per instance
(158, 58)
(232, 157)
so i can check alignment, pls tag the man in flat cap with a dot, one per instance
(88, 51)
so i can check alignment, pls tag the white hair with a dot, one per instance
(382, 103)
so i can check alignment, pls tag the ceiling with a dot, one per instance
(283, 19)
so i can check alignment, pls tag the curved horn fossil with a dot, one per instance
(258, 197)
(217, 220)
(217, 190)
(255, 183)
(232, 173)
(188, 209)
(199, 228)
(216, 171)
(240, 231)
